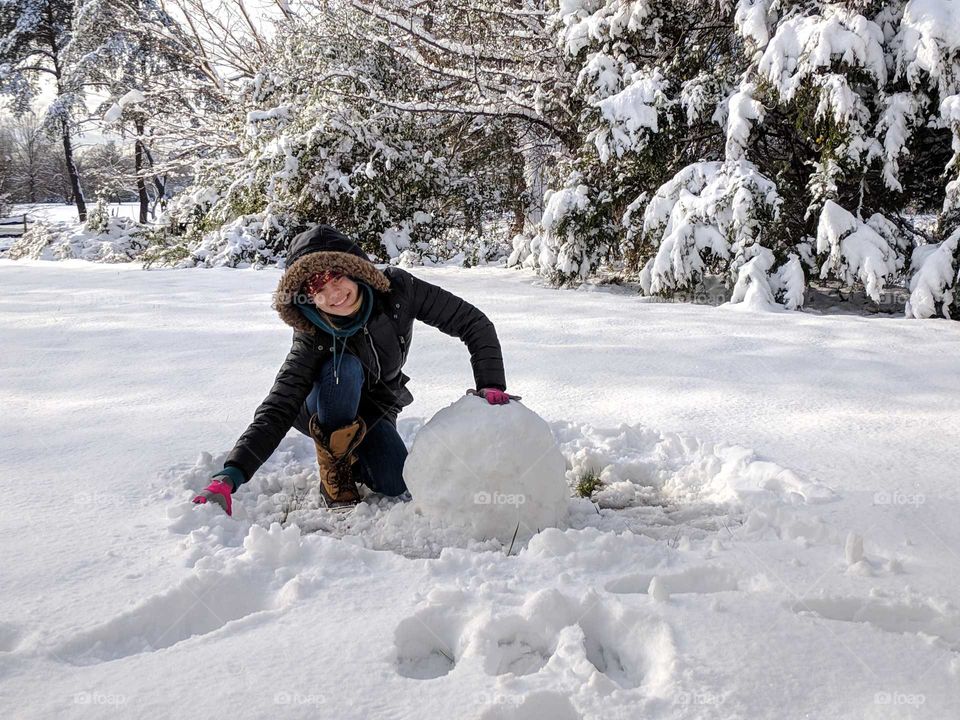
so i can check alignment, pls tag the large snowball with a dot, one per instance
(487, 468)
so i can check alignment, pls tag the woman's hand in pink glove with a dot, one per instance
(494, 396)
(218, 492)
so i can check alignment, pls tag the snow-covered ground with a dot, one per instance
(777, 537)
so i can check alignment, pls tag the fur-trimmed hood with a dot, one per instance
(315, 250)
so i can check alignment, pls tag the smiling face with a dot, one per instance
(340, 297)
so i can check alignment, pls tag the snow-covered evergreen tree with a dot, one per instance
(324, 134)
(765, 142)
(646, 79)
(928, 57)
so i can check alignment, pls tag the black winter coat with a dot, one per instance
(382, 347)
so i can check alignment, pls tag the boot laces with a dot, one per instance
(343, 475)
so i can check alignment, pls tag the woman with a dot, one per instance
(341, 384)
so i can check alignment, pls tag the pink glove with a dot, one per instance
(494, 396)
(218, 492)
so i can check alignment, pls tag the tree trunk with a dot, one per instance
(138, 157)
(54, 54)
(72, 172)
(159, 184)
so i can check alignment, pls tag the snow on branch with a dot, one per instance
(804, 45)
(631, 114)
(934, 277)
(929, 44)
(867, 252)
(710, 213)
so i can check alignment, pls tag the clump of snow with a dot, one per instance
(631, 114)
(586, 20)
(742, 112)
(758, 287)
(490, 469)
(120, 239)
(902, 110)
(133, 97)
(697, 98)
(559, 244)
(950, 112)
(929, 39)
(791, 283)
(400, 238)
(853, 548)
(753, 288)
(601, 76)
(666, 469)
(281, 113)
(396, 239)
(752, 22)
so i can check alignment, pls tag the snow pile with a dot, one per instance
(757, 288)
(490, 469)
(636, 465)
(648, 482)
(119, 239)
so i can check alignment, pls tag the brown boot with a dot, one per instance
(335, 458)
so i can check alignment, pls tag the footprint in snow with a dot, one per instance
(919, 617)
(699, 580)
(594, 638)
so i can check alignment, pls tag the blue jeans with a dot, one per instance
(381, 454)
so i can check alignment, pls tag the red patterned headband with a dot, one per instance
(316, 282)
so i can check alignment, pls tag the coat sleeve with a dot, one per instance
(456, 317)
(276, 414)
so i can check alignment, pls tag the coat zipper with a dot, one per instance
(375, 355)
